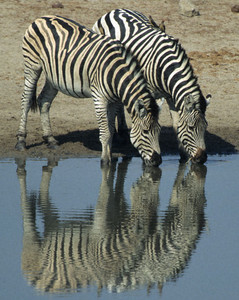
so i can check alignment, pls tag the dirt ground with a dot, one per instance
(211, 40)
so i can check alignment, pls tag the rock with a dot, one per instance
(235, 8)
(57, 5)
(188, 9)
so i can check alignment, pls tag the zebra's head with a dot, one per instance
(145, 131)
(192, 125)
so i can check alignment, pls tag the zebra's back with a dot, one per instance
(160, 56)
(69, 54)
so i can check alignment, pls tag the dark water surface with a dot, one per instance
(71, 230)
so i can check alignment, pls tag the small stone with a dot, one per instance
(57, 5)
(188, 9)
(235, 8)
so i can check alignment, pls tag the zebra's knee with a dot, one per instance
(43, 105)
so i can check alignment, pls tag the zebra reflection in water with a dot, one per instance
(116, 247)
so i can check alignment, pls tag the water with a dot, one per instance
(71, 230)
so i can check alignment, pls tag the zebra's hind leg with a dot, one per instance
(45, 99)
(28, 101)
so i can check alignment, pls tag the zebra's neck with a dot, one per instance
(130, 85)
(165, 64)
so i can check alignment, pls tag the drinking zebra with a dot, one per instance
(168, 73)
(80, 63)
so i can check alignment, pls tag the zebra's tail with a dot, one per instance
(34, 104)
(32, 79)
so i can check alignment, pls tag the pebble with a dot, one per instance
(235, 8)
(57, 5)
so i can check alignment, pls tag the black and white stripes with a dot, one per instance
(167, 70)
(80, 63)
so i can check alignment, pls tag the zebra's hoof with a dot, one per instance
(20, 146)
(52, 145)
(104, 163)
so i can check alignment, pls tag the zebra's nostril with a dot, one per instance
(155, 160)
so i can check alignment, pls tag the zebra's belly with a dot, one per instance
(72, 86)
(77, 93)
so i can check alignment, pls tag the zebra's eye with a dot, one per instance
(190, 127)
(191, 122)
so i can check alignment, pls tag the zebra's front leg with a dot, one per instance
(122, 129)
(105, 114)
(45, 99)
(175, 118)
(182, 153)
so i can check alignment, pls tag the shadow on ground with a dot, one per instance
(168, 142)
(90, 140)
(214, 143)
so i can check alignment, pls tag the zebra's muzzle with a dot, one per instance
(200, 157)
(154, 161)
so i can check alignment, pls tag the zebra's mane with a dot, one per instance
(141, 23)
(200, 103)
(149, 102)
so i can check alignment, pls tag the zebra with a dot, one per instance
(168, 73)
(83, 64)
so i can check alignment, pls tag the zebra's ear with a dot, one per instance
(208, 98)
(140, 108)
(160, 103)
(189, 103)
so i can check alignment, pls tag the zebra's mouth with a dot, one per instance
(154, 161)
(200, 157)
